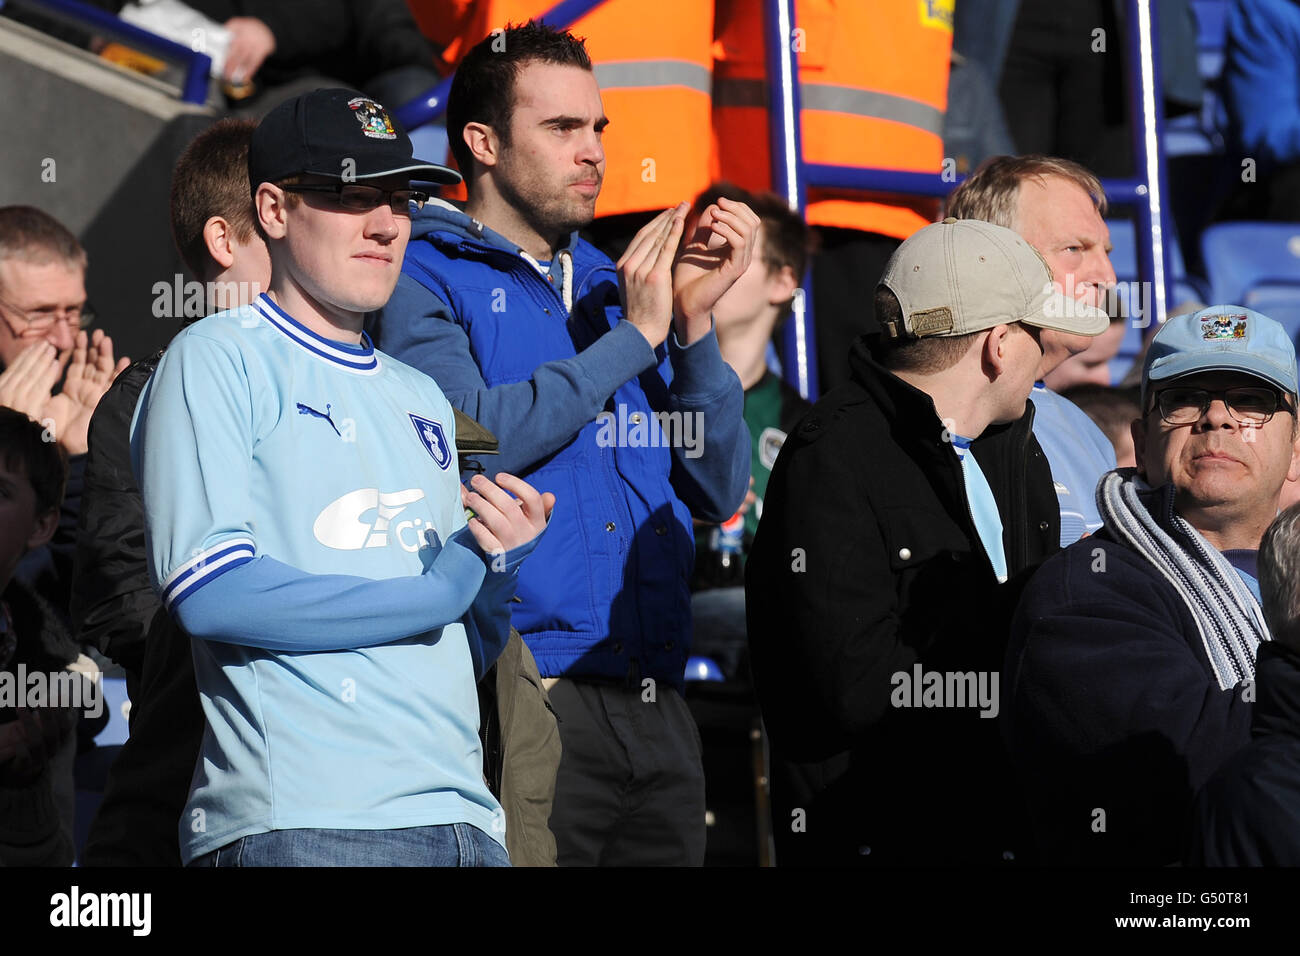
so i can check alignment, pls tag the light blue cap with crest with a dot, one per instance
(1222, 338)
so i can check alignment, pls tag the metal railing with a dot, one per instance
(197, 66)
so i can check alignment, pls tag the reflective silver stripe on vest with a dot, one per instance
(835, 99)
(635, 73)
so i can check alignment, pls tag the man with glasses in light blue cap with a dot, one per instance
(1132, 658)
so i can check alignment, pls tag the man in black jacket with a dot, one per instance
(877, 619)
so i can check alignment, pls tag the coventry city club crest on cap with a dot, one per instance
(434, 440)
(374, 121)
(1223, 327)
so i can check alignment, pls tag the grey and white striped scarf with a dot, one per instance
(1226, 612)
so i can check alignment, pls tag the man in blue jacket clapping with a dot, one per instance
(605, 385)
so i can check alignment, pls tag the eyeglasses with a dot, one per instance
(364, 198)
(1248, 405)
(36, 324)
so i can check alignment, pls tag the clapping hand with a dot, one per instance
(90, 373)
(645, 274)
(26, 383)
(507, 514)
(718, 250)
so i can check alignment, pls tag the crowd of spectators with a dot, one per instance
(991, 608)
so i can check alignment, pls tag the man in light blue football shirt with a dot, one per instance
(306, 526)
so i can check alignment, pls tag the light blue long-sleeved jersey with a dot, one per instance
(305, 527)
(1079, 453)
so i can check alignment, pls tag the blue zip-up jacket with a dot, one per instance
(573, 391)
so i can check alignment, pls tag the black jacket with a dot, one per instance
(113, 603)
(1249, 812)
(118, 611)
(866, 563)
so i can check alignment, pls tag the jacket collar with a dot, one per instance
(916, 422)
(900, 401)
(440, 216)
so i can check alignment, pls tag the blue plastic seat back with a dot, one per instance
(1278, 301)
(1239, 256)
(118, 707)
(703, 669)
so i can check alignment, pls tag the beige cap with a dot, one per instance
(960, 276)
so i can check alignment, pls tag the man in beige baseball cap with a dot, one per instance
(902, 515)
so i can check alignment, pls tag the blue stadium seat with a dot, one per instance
(1256, 264)
(118, 707)
(1124, 258)
(703, 669)
(92, 766)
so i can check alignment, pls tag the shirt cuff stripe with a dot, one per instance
(198, 570)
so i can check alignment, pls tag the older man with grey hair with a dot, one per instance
(1057, 206)
(1249, 812)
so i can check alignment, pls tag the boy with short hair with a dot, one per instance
(115, 607)
(306, 526)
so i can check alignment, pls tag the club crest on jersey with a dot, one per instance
(434, 440)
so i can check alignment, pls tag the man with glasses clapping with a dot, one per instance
(44, 328)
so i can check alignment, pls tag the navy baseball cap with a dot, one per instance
(335, 133)
(1222, 338)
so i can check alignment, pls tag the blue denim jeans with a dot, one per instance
(455, 844)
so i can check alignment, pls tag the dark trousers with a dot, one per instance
(1060, 95)
(149, 783)
(630, 789)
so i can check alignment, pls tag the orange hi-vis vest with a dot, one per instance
(873, 80)
(653, 61)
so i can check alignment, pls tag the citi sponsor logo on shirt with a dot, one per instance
(367, 518)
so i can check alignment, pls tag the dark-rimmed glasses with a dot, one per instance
(364, 198)
(36, 324)
(1247, 404)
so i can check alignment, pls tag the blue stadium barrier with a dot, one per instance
(194, 88)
